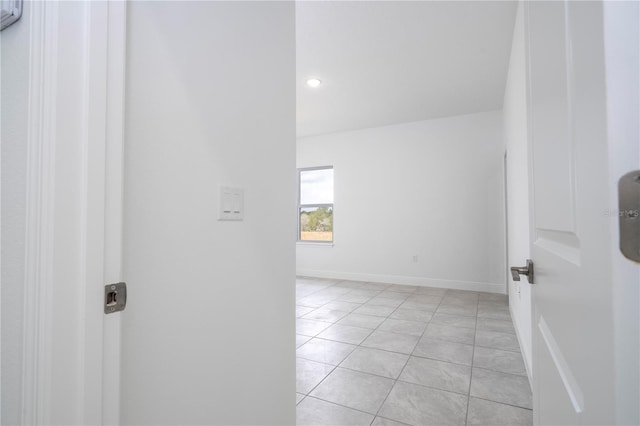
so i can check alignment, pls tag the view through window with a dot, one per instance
(315, 204)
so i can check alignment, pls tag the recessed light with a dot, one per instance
(314, 82)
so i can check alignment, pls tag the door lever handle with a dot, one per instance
(526, 270)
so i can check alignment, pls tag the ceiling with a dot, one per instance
(386, 63)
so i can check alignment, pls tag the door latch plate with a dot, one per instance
(629, 215)
(115, 297)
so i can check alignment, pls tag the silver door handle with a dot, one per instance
(527, 270)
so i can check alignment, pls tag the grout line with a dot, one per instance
(342, 405)
(408, 358)
(323, 379)
(442, 296)
(502, 403)
(466, 417)
(503, 372)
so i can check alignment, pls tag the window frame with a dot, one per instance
(302, 206)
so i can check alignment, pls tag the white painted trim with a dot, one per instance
(86, 58)
(114, 200)
(92, 213)
(314, 243)
(40, 206)
(406, 280)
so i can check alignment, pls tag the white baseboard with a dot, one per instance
(406, 280)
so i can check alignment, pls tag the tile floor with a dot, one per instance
(379, 354)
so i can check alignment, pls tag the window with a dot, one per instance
(315, 204)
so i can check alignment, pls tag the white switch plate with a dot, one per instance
(231, 203)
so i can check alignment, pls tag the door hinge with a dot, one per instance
(115, 297)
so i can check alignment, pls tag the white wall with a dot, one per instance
(515, 134)
(430, 188)
(208, 333)
(15, 60)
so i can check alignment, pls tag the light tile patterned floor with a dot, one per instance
(380, 354)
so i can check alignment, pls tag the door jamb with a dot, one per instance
(73, 206)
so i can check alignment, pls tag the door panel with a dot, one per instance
(572, 318)
(553, 189)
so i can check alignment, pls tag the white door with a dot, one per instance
(573, 296)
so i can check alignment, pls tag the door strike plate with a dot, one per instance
(629, 215)
(115, 297)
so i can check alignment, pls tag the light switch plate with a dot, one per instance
(231, 203)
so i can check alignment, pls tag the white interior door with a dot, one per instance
(573, 327)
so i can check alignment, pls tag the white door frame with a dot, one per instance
(74, 208)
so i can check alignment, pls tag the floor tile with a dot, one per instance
(413, 328)
(364, 321)
(444, 351)
(501, 313)
(497, 340)
(309, 374)
(393, 295)
(303, 310)
(493, 304)
(375, 310)
(423, 298)
(410, 349)
(393, 342)
(450, 334)
(454, 320)
(437, 374)
(420, 405)
(353, 389)
(354, 298)
(381, 421)
(488, 413)
(494, 297)
(501, 387)
(350, 284)
(462, 294)
(327, 315)
(402, 288)
(325, 351)
(301, 340)
(338, 305)
(459, 301)
(333, 291)
(374, 286)
(411, 315)
(419, 306)
(490, 324)
(467, 311)
(313, 301)
(384, 301)
(375, 361)
(314, 412)
(499, 360)
(345, 334)
(310, 327)
(431, 291)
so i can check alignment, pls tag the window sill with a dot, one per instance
(314, 243)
